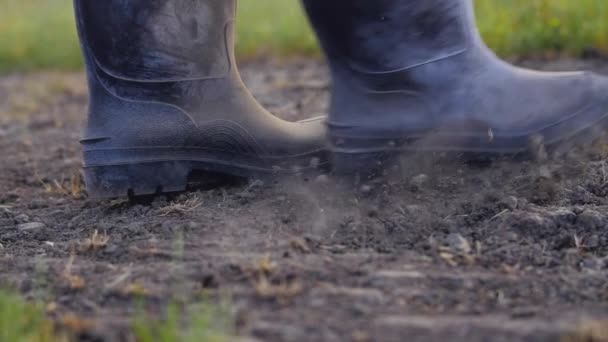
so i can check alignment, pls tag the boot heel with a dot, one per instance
(136, 179)
(364, 165)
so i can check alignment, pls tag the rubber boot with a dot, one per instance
(167, 101)
(415, 75)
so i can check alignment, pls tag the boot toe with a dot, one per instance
(587, 125)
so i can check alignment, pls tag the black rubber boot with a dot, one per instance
(415, 75)
(167, 101)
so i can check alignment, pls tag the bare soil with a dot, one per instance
(446, 251)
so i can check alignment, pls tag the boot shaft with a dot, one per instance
(157, 40)
(154, 64)
(389, 35)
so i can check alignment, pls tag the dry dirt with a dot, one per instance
(512, 251)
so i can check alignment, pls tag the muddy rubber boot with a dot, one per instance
(167, 101)
(414, 75)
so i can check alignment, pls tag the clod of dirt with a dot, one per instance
(593, 264)
(533, 224)
(459, 244)
(22, 218)
(564, 215)
(591, 220)
(31, 226)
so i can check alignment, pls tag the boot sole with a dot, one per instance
(124, 176)
(371, 157)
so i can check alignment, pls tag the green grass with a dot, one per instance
(38, 34)
(22, 321)
(204, 324)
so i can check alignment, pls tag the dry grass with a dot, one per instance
(268, 284)
(22, 321)
(94, 243)
(189, 205)
(72, 281)
(73, 186)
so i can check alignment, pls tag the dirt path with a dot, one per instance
(446, 252)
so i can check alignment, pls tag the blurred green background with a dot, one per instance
(39, 34)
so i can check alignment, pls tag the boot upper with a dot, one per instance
(410, 68)
(162, 74)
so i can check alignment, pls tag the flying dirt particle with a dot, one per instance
(322, 179)
(399, 274)
(257, 183)
(315, 163)
(419, 181)
(366, 189)
(510, 202)
(31, 226)
(536, 148)
(545, 172)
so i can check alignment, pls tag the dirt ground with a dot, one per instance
(510, 251)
